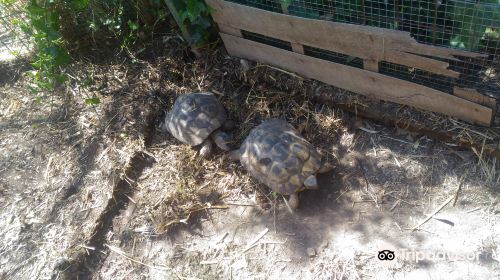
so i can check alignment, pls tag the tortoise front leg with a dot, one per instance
(293, 201)
(206, 148)
(221, 139)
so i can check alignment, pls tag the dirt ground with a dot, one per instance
(96, 192)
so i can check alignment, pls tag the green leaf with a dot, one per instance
(474, 19)
(80, 4)
(7, 2)
(286, 3)
(92, 101)
(133, 25)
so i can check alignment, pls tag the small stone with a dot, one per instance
(311, 252)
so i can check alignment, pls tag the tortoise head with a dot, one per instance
(161, 122)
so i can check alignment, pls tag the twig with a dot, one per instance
(260, 243)
(256, 239)
(87, 247)
(472, 210)
(435, 212)
(281, 70)
(121, 253)
(208, 262)
(398, 140)
(462, 179)
(287, 205)
(240, 204)
(191, 211)
(368, 130)
(47, 169)
(402, 200)
(341, 194)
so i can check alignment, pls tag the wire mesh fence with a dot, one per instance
(460, 24)
(13, 41)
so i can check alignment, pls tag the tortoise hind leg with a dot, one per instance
(206, 148)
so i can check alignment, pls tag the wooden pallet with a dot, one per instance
(373, 45)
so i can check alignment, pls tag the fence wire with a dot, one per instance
(13, 41)
(461, 24)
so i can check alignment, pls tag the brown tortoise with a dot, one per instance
(195, 120)
(276, 155)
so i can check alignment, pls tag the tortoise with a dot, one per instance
(279, 157)
(196, 119)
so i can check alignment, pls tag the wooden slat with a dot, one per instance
(230, 30)
(476, 97)
(296, 30)
(368, 83)
(365, 42)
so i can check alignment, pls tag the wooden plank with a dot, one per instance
(368, 83)
(296, 30)
(365, 42)
(410, 45)
(371, 65)
(230, 30)
(298, 48)
(476, 97)
(420, 62)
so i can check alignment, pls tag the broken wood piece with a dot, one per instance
(394, 120)
(476, 97)
(364, 82)
(420, 62)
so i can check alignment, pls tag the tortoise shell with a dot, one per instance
(194, 117)
(279, 157)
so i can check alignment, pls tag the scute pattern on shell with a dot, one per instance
(278, 156)
(194, 117)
